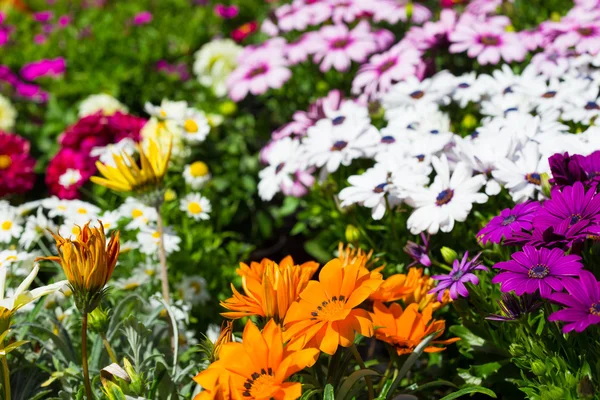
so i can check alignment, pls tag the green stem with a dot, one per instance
(6, 377)
(109, 349)
(162, 257)
(84, 357)
(362, 365)
(385, 375)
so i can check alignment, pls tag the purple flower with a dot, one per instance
(142, 18)
(566, 169)
(46, 67)
(508, 222)
(64, 20)
(39, 39)
(591, 166)
(533, 269)
(513, 307)
(583, 303)
(418, 252)
(572, 211)
(43, 16)
(462, 272)
(225, 11)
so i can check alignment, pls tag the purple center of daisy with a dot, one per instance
(538, 271)
(489, 40)
(257, 71)
(444, 197)
(420, 157)
(338, 120)
(592, 106)
(586, 31)
(340, 43)
(550, 94)
(434, 131)
(417, 94)
(509, 220)
(463, 85)
(339, 145)
(595, 309)
(387, 65)
(534, 178)
(379, 188)
(279, 167)
(388, 139)
(575, 218)
(457, 275)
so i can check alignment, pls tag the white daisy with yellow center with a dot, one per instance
(194, 125)
(10, 224)
(100, 102)
(140, 214)
(8, 257)
(69, 178)
(196, 206)
(36, 227)
(148, 239)
(194, 290)
(196, 174)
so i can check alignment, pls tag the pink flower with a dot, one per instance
(303, 180)
(583, 36)
(39, 39)
(383, 39)
(47, 67)
(337, 47)
(487, 42)
(6, 75)
(293, 17)
(43, 16)
(225, 11)
(31, 92)
(16, 165)
(2, 17)
(433, 33)
(179, 70)
(142, 18)
(298, 51)
(259, 71)
(4, 36)
(64, 20)
(65, 161)
(392, 11)
(552, 62)
(483, 7)
(242, 32)
(383, 70)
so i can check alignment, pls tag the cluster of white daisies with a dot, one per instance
(420, 162)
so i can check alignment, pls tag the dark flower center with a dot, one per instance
(417, 94)
(509, 220)
(510, 110)
(420, 157)
(534, 178)
(279, 167)
(489, 40)
(388, 140)
(339, 43)
(434, 131)
(591, 105)
(463, 85)
(538, 271)
(475, 134)
(386, 65)
(258, 382)
(379, 188)
(329, 310)
(339, 145)
(338, 120)
(444, 197)
(585, 31)
(257, 71)
(595, 309)
(457, 275)
(550, 94)
(507, 90)
(575, 218)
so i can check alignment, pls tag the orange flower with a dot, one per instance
(348, 255)
(269, 288)
(326, 314)
(226, 336)
(406, 329)
(413, 287)
(257, 368)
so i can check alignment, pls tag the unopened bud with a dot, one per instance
(352, 234)
(448, 254)
(98, 320)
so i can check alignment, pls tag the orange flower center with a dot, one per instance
(331, 310)
(260, 385)
(5, 161)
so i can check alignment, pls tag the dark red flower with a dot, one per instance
(72, 162)
(16, 165)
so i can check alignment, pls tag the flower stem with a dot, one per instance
(84, 357)
(361, 363)
(5, 375)
(162, 257)
(109, 349)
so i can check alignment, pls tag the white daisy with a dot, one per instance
(214, 62)
(81, 212)
(8, 257)
(522, 177)
(413, 94)
(196, 174)
(282, 161)
(148, 239)
(196, 206)
(10, 224)
(55, 206)
(8, 114)
(100, 102)
(368, 189)
(467, 89)
(106, 153)
(194, 125)
(167, 110)
(133, 282)
(69, 178)
(36, 227)
(194, 290)
(584, 108)
(140, 214)
(448, 199)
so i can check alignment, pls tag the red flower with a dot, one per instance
(16, 165)
(244, 31)
(72, 162)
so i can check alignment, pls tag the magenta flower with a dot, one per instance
(508, 222)
(243, 31)
(462, 272)
(225, 11)
(47, 67)
(16, 165)
(591, 167)
(263, 69)
(383, 70)
(64, 20)
(433, 33)
(582, 303)
(39, 39)
(566, 170)
(514, 307)
(142, 18)
(298, 51)
(2, 17)
(337, 46)
(584, 36)
(73, 163)
(551, 62)
(533, 269)
(43, 16)
(418, 252)
(31, 92)
(487, 42)
(4, 36)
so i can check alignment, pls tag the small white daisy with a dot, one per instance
(194, 125)
(36, 227)
(368, 189)
(69, 178)
(173, 110)
(282, 163)
(140, 214)
(467, 89)
(196, 174)
(10, 224)
(148, 239)
(194, 290)
(196, 206)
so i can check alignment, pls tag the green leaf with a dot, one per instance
(466, 335)
(434, 384)
(314, 248)
(467, 390)
(351, 381)
(328, 393)
(113, 391)
(385, 389)
(308, 394)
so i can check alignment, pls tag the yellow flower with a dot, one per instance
(88, 263)
(127, 176)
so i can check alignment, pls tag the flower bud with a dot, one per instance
(228, 108)
(98, 320)
(170, 195)
(469, 122)
(322, 86)
(137, 381)
(553, 393)
(352, 233)
(538, 367)
(546, 186)
(448, 254)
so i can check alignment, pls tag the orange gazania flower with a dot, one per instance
(257, 368)
(269, 288)
(404, 330)
(413, 287)
(326, 314)
(225, 336)
(348, 255)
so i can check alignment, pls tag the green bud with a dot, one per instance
(538, 367)
(469, 122)
(409, 10)
(137, 380)
(322, 86)
(555, 16)
(510, 28)
(376, 111)
(546, 187)
(98, 320)
(585, 388)
(517, 350)
(228, 108)
(448, 254)
(352, 233)
(553, 393)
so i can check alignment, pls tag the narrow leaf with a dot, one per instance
(351, 380)
(328, 394)
(467, 390)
